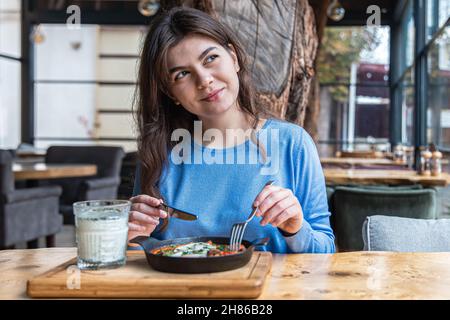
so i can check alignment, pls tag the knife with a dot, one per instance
(177, 213)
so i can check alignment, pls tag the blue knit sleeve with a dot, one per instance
(315, 235)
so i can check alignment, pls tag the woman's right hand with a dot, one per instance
(144, 215)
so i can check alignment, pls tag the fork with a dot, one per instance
(237, 232)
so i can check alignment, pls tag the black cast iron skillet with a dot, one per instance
(196, 264)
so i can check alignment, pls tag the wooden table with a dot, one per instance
(52, 171)
(391, 177)
(355, 161)
(372, 154)
(40, 153)
(361, 161)
(352, 275)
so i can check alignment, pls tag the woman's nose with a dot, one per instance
(204, 81)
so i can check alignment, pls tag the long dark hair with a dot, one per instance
(157, 116)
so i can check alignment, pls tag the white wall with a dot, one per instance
(10, 5)
(78, 110)
(70, 110)
(112, 97)
(56, 59)
(65, 110)
(9, 74)
(121, 40)
(9, 104)
(124, 44)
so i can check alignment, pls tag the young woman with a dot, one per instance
(194, 82)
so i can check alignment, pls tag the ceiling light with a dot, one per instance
(37, 35)
(148, 7)
(335, 11)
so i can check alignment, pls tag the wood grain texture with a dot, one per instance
(264, 28)
(52, 171)
(303, 61)
(312, 111)
(391, 177)
(138, 280)
(351, 275)
(361, 161)
(18, 266)
(360, 275)
(30, 153)
(360, 154)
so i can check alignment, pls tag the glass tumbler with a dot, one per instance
(101, 233)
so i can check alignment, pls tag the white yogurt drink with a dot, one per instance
(101, 233)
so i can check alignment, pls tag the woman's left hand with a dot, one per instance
(279, 207)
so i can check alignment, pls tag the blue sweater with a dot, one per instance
(220, 185)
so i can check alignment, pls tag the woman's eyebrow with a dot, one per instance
(204, 53)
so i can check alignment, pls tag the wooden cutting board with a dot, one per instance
(138, 280)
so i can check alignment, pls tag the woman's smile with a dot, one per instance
(214, 95)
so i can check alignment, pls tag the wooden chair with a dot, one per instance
(351, 206)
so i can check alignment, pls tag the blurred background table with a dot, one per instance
(369, 154)
(30, 153)
(52, 171)
(355, 162)
(380, 176)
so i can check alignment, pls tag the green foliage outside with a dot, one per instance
(340, 47)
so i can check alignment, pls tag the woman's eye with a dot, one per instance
(211, 58)
(180, 75)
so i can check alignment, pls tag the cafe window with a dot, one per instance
(10, 70)
(409, 39)
(436, 51)
(438, 59)
(407, 88)
(353, 70)
(85, 81)
(438, 12)
(403, 82)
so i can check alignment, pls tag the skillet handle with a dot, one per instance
(145, 242)
(259, 242)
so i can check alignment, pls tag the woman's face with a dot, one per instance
(198, 67)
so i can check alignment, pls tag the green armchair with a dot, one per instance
(351, 206)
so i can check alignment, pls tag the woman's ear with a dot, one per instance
(234, 57)
(175, 101)
(173, 98)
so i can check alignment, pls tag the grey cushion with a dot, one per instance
(383, 233)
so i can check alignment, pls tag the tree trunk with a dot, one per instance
(313, 107)
(281, 41)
